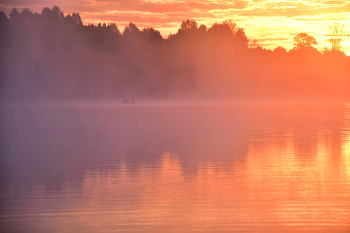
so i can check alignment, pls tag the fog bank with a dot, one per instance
(55, 57)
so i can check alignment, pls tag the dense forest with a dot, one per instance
(52, 56)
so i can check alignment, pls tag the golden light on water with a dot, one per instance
(271, 184)
(220, 169)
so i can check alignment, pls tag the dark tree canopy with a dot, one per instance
(131, 29)
(73, 19)
(221, 30)
(304, 40)
(54, 56)
(14, 15)
(152, 34)
(188, 25)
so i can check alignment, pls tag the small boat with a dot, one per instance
(132, 100)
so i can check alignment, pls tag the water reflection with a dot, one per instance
(177, 168)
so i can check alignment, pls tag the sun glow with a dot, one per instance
(347, 53)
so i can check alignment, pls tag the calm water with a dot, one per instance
(175, 168)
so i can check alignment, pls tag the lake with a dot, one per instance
(175, 168)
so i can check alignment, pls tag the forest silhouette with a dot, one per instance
(52, 56)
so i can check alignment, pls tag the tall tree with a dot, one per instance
(14, 15)
(131, 30)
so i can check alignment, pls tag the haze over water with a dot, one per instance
(175, 168)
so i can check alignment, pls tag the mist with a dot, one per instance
(55, 57)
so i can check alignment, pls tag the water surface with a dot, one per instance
(175, 168)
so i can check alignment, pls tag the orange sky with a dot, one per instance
(271, 22)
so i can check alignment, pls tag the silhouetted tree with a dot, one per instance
(26, 15)
(303, 40)
(113, 28)
(241, 38)
(52, 16)
(188, 25)
(5, 28)
(57, 11)
(73, 19)
(14, 15)
(152, 35)
(5, 41)
(280, 50)
(4, 21)
(202, 28)
(233, 26)
(229, 31)
(336, 35)
(131, 30)
(221, 31)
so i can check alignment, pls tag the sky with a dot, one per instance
(271, 22)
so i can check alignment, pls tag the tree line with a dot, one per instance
(52, 56)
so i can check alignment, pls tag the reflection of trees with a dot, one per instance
(180, 160)
(184, 158)
(309, 133)
(52, 145)
(49, 145)
(302, 154)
